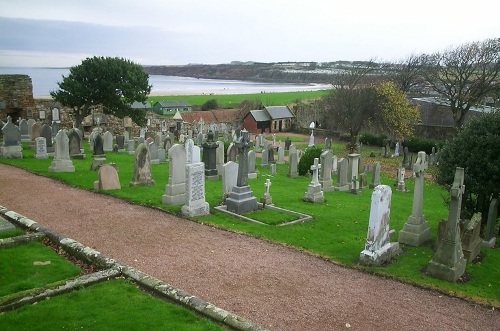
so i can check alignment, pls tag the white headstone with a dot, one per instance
(195, 204)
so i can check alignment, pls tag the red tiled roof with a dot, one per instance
(211, 116)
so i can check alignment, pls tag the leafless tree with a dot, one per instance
(406, 73)
(464, 75)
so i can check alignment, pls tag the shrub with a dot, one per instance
(373, 140)
(210, 105)
(307, 159)
(416, 144)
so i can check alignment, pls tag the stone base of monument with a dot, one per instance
(379, 256)
(11, 152)
(326, 185)
(489, 243)
(175, 194)
(314, 194)
(61, 166)
(448, 262)
(98, 160)
(414, 234)
(342, 188)
(266, 199)
(196, 209)
(241, 200)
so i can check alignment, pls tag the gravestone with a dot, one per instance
(264, 163)
(61, 162)
(342, 183)
(120, 142)
(257, 144)
(241, 199)
(335, 161)
(196, 154)
(131, 146)
(433, 156)
(126, 136)
(288, 142)
(167, 144)
(252, 174)
(232, 152)
(140, 140)
(272, 170)
(396, 150)
(406, 161)
(209, 157)
(107, 139)
(293, 163)
(199, 138)
(23, 127)
(195, 204)
(41, 148)
(416, 230)
(448, 262)
(11, 147)
(54, 128)
(326, 171)
(375, 175)
(74, 145)
(266, 198)
(314, 192)
(161, 155)
(281, 155)
(98, 156)
(292, 149)
(378, 246)
(401, 180)
(270, 151)
(31, 122)
(107, 178)
(142, 167)
(311, 139)
(489, 230)
(229, 177)
(189, 146)
(219, 156)
(352, 173)
(35, 133)
(175, 190)
(153, 153)
(471, 242)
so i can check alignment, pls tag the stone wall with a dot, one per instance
(16, 97)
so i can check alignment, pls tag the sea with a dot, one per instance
(45, 80)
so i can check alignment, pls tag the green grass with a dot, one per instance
(232, 100)
(112, 305)
(338, 231)
(11, 233)
(19, 273)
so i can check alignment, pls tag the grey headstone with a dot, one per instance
(142, 167)
(175, 190)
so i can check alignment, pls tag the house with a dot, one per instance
(141, 105)
(169, 107)
(270, 119)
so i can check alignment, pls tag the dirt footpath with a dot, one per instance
(274, 286)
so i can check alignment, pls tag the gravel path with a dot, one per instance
(274, 286)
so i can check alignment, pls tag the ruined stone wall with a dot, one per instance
(16, 97)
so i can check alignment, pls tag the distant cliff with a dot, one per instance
(298, 73)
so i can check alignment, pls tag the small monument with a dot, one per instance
(241, 199)
(416, 230)
(98, 156)
(342, 184)
(489, 230)
(210, 157)
(11, 147)
(41, 148)
(229, 177)
(378, 246)
(62, 162)
(326, 171)
(293, 164)
(175, 190)
(75, 151)
(252, 174)
(266, 198)
(471, 242)
(142, 167)
(448, 262)
(108, 178)
(314, 192)
(311, 137)
(195, 204)
(375, 175)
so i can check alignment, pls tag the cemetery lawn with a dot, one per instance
(114, 304)
(338, 231)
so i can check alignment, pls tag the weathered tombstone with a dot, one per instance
(232, 152)
(270, 151)
(293, 163)
(311, 139)
(107, 139)
(229, 177)
(11, 147)
(396, 150)
(314, 192)
(35, 133)
(167, 144)
(98, 156)
(326, 171)
(489, 230)
(448, 262)
(126, 136)
(342, 183)
(292, 149)
(120, 142)
(209, 157)
(266, 198)
(196, 154)
(23, 127)
(406, 162)
(161, 155)
(288, 142)
(378, 246)
(175, 190)
(31, 122)
(131, 146)
(252, 174)
(416, 230)
(195, 204)
(241, 199)
(281, 155)
(153, 153)
(375, 175)
(189, 146)
(54, 128)
(257, 144)
(219, 156)
(142, 167)
(140, 140)
(433, 156)
(264, 163)
(334, 164)
(107, 178)
(401, 180)
(199, 138)
(61, 162)
(74, 145)
(46, 132)
(272, 170)
(471, 242)
(41, 148)
(353, 171)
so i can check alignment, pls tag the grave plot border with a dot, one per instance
(260, 206)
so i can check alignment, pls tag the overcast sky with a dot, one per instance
(56, 33)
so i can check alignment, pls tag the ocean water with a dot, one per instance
(45, 80)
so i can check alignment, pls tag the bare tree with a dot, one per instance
(407, 73)
(464, 75)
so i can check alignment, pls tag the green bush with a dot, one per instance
(416, 144)
(372, 140)
(307, 159)
(210, 105)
